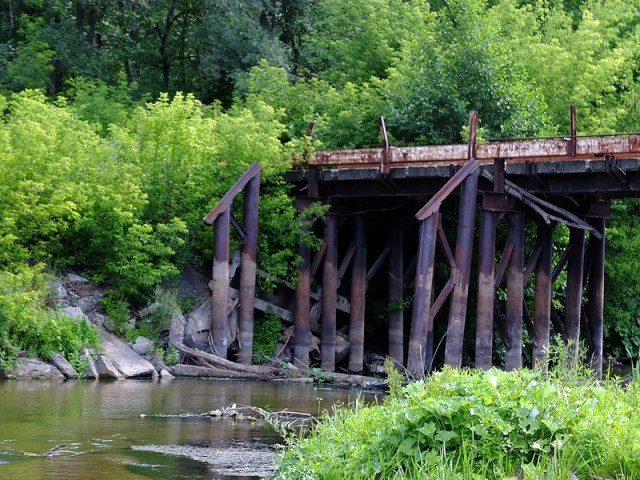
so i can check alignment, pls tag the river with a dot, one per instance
(142, 429)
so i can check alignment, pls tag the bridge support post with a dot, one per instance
(420, 324)
(329, 295)
(396, 293)
(596, 297)
(515, 293)
(573, 307)
(248, 270)
(220, 286)
(358, 293)
(302, 302)
(486, 290)
(463, 256)
(543, 289)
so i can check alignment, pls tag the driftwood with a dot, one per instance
(225, 367)
(219, 362)
(249, 413)
(218, 373)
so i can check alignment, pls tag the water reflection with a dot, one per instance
(99, 422)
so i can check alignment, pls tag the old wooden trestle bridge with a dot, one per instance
(378, 195)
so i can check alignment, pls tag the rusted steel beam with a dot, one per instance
(225, 202)
(573, 301)
(504, 263)
(515, 293)
(385, 164)
(329, 296)
(573, 141)
(417, 358)
(248, 269)
(513, 151)
(396, 292)
(444, 243)
(378, 262)
(543, 289)
(498, 175)
(486, 290)
(440, 299)
(470, 169)
(358, 293)
(346, 261)
(220, 284)
(561, 263)
(596, 297)
(498, 202)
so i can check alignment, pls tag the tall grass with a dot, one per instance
(462, 424)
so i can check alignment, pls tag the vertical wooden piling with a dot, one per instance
(486, 290)
(329, 296)
(515, 293)
(358, 293)
(302, 301)
(573, 305)
(220, 286)
(464, 254)
(596, 297)
(248, 270)
(396, 293)
(543, 289)
(417, 358)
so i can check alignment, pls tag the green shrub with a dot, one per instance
(266, 333)
(494, 424)
(27, 324)
(158, 317)
(118, 310)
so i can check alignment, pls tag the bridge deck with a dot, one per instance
(603, 165)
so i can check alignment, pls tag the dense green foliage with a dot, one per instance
(26, 322)
(469, 425)
(106, 166)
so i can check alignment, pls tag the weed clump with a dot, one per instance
(470, 424)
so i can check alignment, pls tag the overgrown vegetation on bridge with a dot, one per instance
(105, 167)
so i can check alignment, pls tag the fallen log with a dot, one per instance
(227, 364)
(209, 372)
(269, 373)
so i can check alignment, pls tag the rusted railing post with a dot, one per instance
(396, 293)
(596, 297)
(358, 292)
(543, 288)
(329, 296)
(248, 270)
(486, 290)
(220, 286)
(573, 306)
(515, 293)
(463, 255)
(416, 360)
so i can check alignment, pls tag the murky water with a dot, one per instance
(141, 429)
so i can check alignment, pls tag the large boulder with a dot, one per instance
(73, 312)
(63, 365)
(128, 362)
(106, 368)
(35, 369)
(143, 345)
(196, 332)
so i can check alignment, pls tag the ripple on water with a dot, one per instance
(231, 459)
